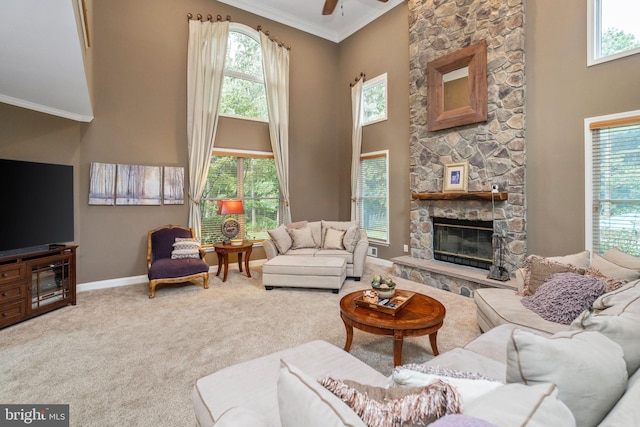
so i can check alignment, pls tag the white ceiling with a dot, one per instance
(306, 15)
(41, 59)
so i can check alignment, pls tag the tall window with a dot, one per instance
(243, 91)
(374, 100)
(613, 30)
(249, 176)
(373, 195)
(612, 176)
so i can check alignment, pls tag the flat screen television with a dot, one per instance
(36, 208)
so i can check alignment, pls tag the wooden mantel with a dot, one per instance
(474, 195)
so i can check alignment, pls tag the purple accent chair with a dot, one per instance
(163, 269)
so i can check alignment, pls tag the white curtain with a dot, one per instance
(356, 144)
(275, 60)
(205, 72)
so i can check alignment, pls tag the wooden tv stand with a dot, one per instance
(35, 283)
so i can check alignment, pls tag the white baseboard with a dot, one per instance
(379, 261)
(111, 283)
(135, 280)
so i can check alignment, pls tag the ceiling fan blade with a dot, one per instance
(329, 6)
(383, 1)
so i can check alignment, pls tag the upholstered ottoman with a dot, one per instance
(302, 271)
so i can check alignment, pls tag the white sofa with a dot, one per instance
(585, 376)
(308, 239)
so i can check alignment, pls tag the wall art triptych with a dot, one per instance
(112, 184)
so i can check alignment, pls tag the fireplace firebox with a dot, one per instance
(463, 242)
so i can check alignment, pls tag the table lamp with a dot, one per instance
(230, 226)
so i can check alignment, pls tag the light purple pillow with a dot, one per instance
(563, 296)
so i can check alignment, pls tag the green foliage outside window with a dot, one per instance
(374, 101)
(243, 91)
(244, 55)
(255, 182)
(616, 41)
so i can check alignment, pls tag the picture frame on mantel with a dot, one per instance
(455, 178)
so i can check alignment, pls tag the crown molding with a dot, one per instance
(326, 27)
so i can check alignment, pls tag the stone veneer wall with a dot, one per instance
(494, 149)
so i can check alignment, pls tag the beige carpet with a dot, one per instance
(121, 359)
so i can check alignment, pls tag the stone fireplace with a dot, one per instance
(495, 149)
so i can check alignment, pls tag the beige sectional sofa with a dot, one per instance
(309, 254)
(514, 374)
(499, 306)
(585, 376)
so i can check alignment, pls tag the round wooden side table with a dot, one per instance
(223, 250)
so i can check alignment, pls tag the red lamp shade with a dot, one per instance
(230, 207)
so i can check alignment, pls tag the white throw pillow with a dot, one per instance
(333, 239)
(626, 412)
(618, 297)
(581, 259)
(301, 238)
(185, 247)
(587, 367)
(351, 238)
(469, 389)
(621, 328)
(298, 224)
(316, 232)
(281, 238)
(520, 405)
(237, 416)
(622, 259)
(617, 316)
(339, 225)
(613, 270)
(304, 402)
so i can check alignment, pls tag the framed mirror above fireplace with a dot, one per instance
(457, 88)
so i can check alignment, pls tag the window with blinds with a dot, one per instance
(614, 199)
(250, 177)
(373, 195)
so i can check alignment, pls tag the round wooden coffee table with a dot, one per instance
(422, 315)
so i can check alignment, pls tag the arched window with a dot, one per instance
(243, 91)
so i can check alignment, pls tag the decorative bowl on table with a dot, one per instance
(386, 288)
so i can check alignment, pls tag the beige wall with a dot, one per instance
(139, 60)
(381, 47)
(140, 107)
(561, 92)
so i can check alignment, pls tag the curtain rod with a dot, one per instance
(361, 76)
(275, 39)
(209, 17)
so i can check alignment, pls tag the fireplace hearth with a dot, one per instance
(463, 242)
